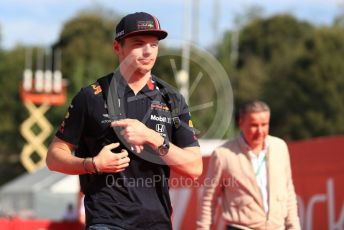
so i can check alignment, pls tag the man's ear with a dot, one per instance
(116, 47)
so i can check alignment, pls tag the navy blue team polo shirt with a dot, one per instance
(138, 197)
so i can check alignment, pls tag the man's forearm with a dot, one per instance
(185, 161)
(60, 159)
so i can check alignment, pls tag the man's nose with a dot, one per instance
(260, 129)
(147, 49)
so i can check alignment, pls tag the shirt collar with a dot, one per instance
(123, 87)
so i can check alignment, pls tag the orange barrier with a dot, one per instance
(33, 224)
(318, 172)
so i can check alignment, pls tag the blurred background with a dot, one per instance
(289, 54)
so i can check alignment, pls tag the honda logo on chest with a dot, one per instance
(160, 128)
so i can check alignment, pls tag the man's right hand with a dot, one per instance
(109, 162)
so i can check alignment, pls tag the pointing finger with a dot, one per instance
(120, 123)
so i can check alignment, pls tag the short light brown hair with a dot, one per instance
(122, 42)
(255, 106)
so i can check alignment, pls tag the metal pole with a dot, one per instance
(195, 21)
(183, 74)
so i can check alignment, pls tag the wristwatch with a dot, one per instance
(163, 149)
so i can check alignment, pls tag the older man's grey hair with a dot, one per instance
(255, 106)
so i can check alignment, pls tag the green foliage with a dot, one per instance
(297, 69)
(86, 45)
(271, 37)
(313, 88)
(12, 112)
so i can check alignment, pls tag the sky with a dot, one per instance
(39, 22)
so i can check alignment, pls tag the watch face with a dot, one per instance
(163, 150)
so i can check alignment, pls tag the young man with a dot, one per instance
(127, 130)
(252, 175)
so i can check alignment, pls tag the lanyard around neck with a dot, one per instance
(260, 165)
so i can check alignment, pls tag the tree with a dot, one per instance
(12, 112)
(297, 69)
(261, 41)
(86, 45)
(310, 92)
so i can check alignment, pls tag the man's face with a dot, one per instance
(138, 53)
(255, 128)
